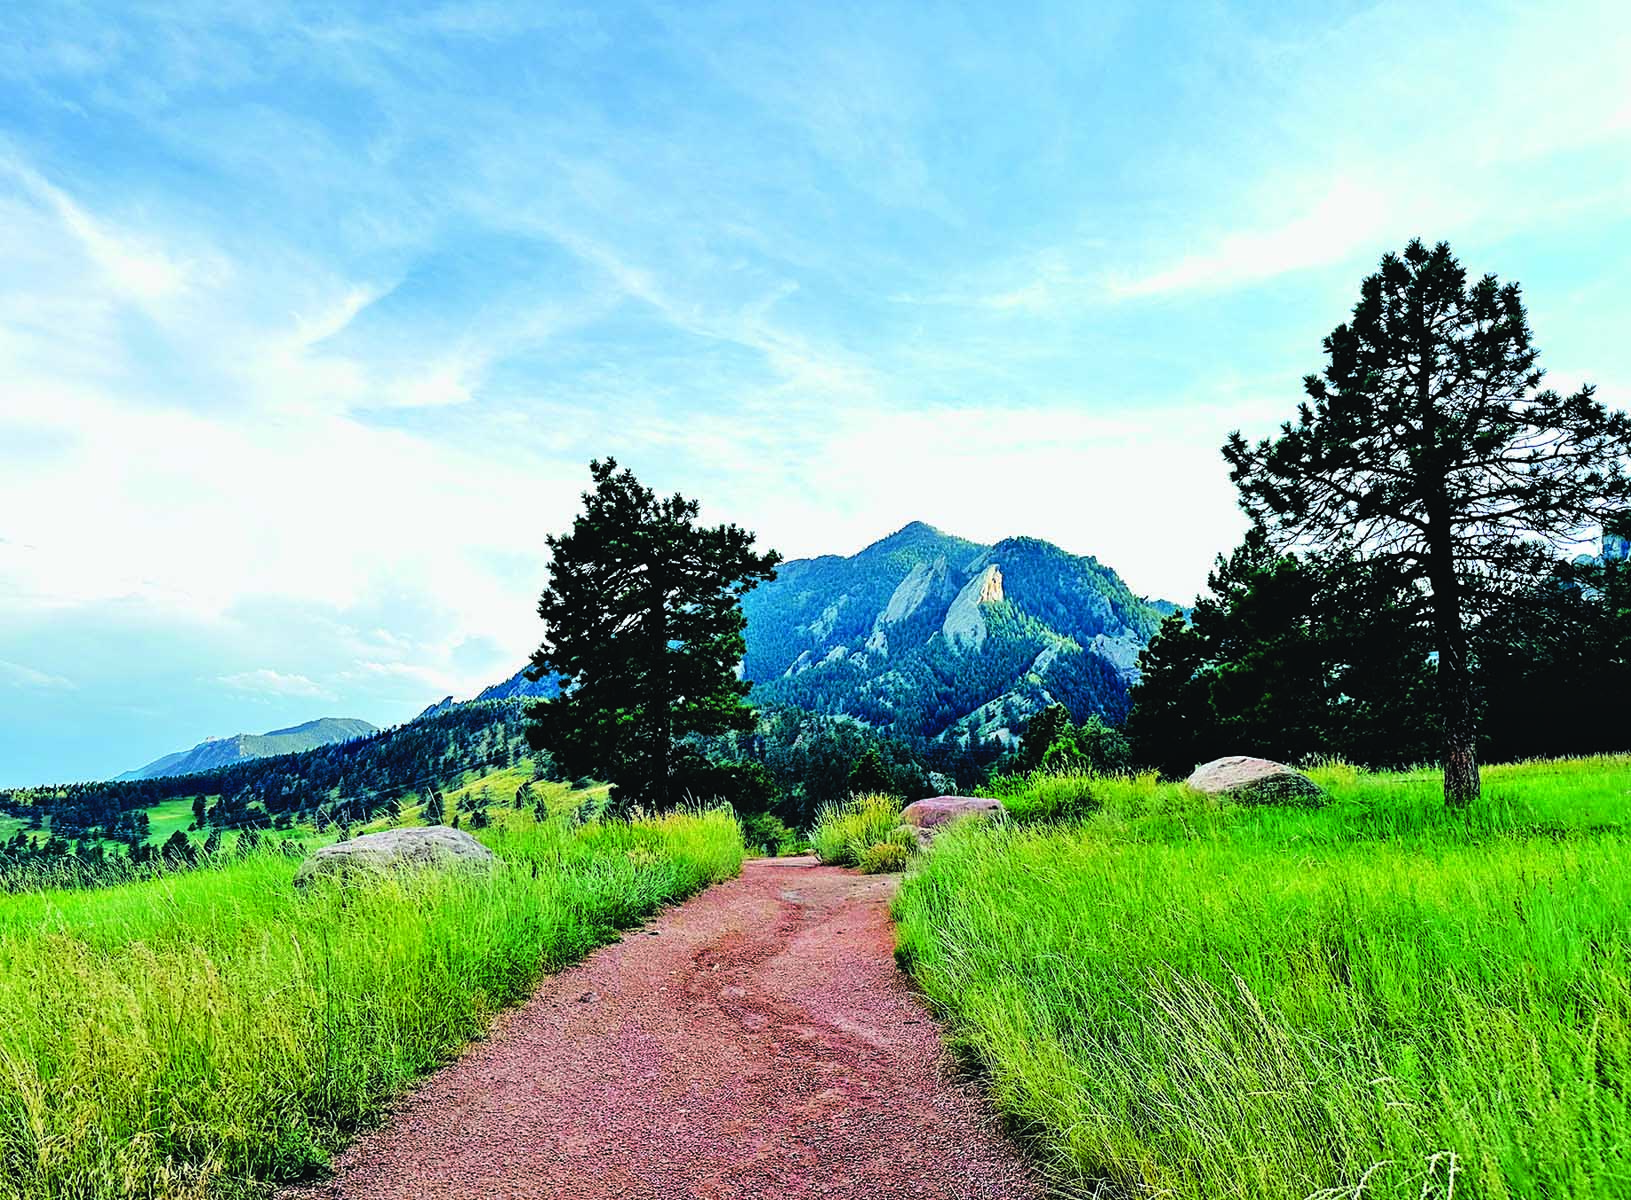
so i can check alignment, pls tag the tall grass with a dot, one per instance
(188, 1035)
(862, 831)
(1180, 998)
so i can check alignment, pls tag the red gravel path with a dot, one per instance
(756, 1041)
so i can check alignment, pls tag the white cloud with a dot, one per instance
(266, 682)
(130, 267)
(18, 675)
(1351, 216)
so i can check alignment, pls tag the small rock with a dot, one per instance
(589, 997)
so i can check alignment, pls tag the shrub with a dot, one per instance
(843, 831)
(891, 854)
(770, 835)
(882, 858)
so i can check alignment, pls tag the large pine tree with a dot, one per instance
(643, 623)
(1428, 450)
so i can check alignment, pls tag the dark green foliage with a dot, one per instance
(745, 786)
(1102, 748)
(868, 775)
(1554, 665)
(1052, 741)
(1428, 450)
(643, 620)
(1286, 658)
(767, 834)
(809, 759)
(1044, 730)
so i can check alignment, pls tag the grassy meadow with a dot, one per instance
(204, 1032)
(1175, 997)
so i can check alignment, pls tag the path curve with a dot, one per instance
(756, 1041)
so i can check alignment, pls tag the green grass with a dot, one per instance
(190, 1035)
(1176, 997)
(168, 816)
(862, 831)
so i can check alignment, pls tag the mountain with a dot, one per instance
(927, 635)
(222, 752)
(517, 686)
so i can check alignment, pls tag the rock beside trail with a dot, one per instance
(1256, 781)
(393, 849)
(928, 817)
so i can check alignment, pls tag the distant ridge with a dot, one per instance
(223, 752)
(515, 687)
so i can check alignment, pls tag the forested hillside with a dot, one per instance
(222, 752)
(337, 783)
(926, 635)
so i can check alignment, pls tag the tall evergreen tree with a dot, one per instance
(1428, 449)
(643, 621)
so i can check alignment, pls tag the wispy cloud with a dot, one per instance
(266, 682)
(18, 675)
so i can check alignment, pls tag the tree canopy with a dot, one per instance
(1428, 450)
(643, 623)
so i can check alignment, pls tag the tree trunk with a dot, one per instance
(1461, 780)
(664, 749)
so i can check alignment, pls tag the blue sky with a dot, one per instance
(311, 315)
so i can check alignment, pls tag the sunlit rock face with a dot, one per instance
(929, 635)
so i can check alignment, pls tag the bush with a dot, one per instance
(845, 830)
(883, 858)
(770, 835)
(891, 854)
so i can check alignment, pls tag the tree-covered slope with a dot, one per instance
(929, 635)
(223, 752)
(340, 782)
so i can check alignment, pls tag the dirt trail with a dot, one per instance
(756, 1041)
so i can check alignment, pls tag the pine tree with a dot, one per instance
(643, 622)
(1427, 449)
(868, 776)
(1044, 729)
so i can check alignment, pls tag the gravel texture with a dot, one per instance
(756, 1041)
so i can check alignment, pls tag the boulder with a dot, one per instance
(928, 817)
(394, 849)
(1255, 781)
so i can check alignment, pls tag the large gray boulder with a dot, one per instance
(375, 854)
(1256, 781)
(929, 817)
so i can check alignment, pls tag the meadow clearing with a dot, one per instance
(203, 1032)
(1172, 996)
